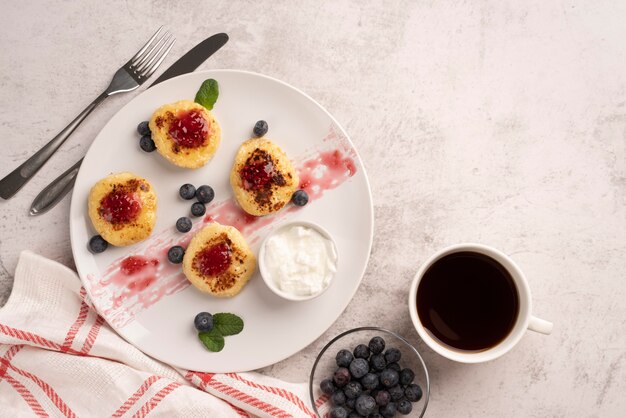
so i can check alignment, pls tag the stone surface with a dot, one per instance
(499, 122)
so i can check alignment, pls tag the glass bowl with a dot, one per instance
(325, 366)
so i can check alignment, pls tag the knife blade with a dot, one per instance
(54, 192)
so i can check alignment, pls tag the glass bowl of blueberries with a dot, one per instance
(369, 372)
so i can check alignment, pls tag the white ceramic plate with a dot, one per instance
(154, 309)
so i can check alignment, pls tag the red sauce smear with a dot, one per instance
(213, 260)
(257, 176)
(134, 264)
(119, 207)
(190, 129)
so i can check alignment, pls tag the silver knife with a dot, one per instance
(54, 192)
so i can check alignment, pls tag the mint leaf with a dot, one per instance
(212, 340)
(207, 95)
(227, 323)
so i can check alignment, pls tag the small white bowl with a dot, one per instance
(269, 281)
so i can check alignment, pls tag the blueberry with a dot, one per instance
(97, 244)
(389, 410)
(341, 377)
(300, 198)
(361, 351)
(354, 414)
(175, 254)
(406, 376)
(365, 405)
(203, 321)
(260, 128)
(392, 355)
(359, 368)
(370, 381)
(205, 194)
(375, 415)
(377, 362)
(327, 386)
(389, 378)
(187, 191)
(353, 389)
(198, 209)
(338, 412)
(147, 144)
(394, 366)
(143, 128)
(413, 392)
(350, 403)
(396, 393)
(404, 407)
(376, 345)
(344, 358)
(183, 224)
(382, 397)
(339, 398)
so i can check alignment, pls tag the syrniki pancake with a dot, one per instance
(185, 133)
(263, 178)
(218, 260)
(122, 208)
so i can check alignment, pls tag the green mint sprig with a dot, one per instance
(208, 93)
(224, 324)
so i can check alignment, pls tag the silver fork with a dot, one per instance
(130, 76)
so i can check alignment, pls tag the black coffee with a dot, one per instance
(468, 301)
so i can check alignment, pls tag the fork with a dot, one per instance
(130, 76)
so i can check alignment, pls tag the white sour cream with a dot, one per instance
(300, 260)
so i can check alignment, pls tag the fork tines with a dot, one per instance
(150, 56)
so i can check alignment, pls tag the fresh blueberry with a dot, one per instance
(365, 405)
(394, 366)
(344, 358)
(187, 191)
(413, 392)
(389, 378)
(375, 415)
(341, 377)
(389, 410)
(338, 412)
(198, 209)
(370, 381)
(143, 128)
(354, 414)
(361, 351)
(359, 368)
(339, 398)
(353, 389)
(396, 393)
(406, 376)
(327, 386)
(376, 345)
(350, 403)
(203, 321)
(392, 355)
(300, 198)
(382, 397)
(405, 407)
(377, 362)
(175, 254)
(205, 194)
(97, 244)
(260, 128)
(183, 224)
(147, 144)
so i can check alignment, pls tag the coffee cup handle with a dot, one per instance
(539, 325)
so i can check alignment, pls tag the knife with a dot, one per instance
(54, 192)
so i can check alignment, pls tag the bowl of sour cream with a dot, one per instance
(298, 260)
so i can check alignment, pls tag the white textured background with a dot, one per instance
(501, 122)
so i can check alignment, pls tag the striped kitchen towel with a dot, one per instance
(58, 357)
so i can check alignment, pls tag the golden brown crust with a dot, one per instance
(123, 233)
(271, 197)
(160, 124)
(231, 281)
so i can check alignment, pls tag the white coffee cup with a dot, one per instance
(525, 320)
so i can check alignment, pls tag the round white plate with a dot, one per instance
(154, 309)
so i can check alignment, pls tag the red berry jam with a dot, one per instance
(257, 175)
(134, 264)
(213, 260)
(119, 207)
(189, 129)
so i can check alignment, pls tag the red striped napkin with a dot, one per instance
(58, 357)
